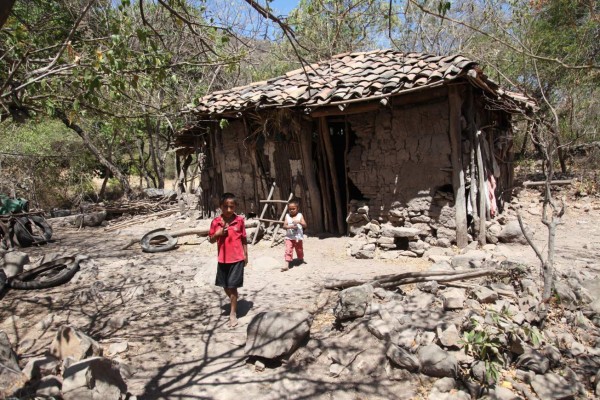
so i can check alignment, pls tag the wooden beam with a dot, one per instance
(333, 172)
(458, 174)
(314, 194)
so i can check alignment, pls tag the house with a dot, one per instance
(418, 140)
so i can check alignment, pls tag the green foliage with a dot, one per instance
(44, 162)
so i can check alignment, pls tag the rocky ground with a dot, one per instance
(162, 325)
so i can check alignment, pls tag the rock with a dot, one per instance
(511, 233)
(448, 335)
(91, 219)
(49, 386)
(11, 377)
(443, 242)
(502, 393)
(95, 379)
(117, 322)
(437, 362)
(428, 287)
(597, 383)
(421, 203)
(41, 366)
(408, 253)
(370, 362)
(565, 295)
(116, 348)
(485, 295)
(402, 358)
(14, 261)
(445, 385)
(552, 386)
(336, 369)
(274, 333)
(8, 357)
(454, 299)
(365, 254)
(468, 260)
(259, 366)
(69, 342)
(379, 328)
(353, 302)
(478, 371)
(446, 233)
(398, 231)
(381, 293)
(553, 355)
(533, 360)
(576, 349)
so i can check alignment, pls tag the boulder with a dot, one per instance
(398, 231)
(10, 374)
(379, 328)
(94, 378)
(469, 260)
(41, 366)
(273, 334)
(69, 342)
(533, 360)
(402, 358)
(49, 386)
(511, 233)
(14, 261)
(565, 295)
(552, 386)
(479, 372)
(437, 362)
(353, 302)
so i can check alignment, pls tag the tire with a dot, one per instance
(23, 230)
(157, 240)
(61, 270)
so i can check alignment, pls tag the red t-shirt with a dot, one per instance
(230, 247)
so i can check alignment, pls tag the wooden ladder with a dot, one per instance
(262, 219)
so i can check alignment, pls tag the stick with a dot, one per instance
(542, 183)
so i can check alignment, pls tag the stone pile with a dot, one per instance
(73, 369)
(410, 230)
(471, 338)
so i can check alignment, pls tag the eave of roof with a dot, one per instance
(349, 78)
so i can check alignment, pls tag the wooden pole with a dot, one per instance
(332, 170)
(314, 194)
(458, 174)
(482, 192)
(325, 187)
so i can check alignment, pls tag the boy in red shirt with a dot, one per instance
(229, 231)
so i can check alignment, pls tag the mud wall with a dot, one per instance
(400, 154)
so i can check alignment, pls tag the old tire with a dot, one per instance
(47, 275)
(24, 231)
(158, 240)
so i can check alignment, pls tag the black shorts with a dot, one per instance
(230, 275)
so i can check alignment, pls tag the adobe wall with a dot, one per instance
(401, 164)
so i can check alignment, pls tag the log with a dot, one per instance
(542, 183)
(191, 231)
(389, 281)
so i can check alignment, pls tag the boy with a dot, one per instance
(294, 225)
(229, 231)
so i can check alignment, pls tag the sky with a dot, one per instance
(283, 7)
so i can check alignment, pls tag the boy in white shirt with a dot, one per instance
(294, 225)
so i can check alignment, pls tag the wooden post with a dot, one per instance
(325, 186)
(314, 194)
(332, 170)
(458, 174)
(482, 192)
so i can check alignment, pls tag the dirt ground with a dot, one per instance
(165, 307)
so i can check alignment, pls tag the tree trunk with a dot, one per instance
(94, 150)
(5, 9)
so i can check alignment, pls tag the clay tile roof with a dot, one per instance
(356, 76)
